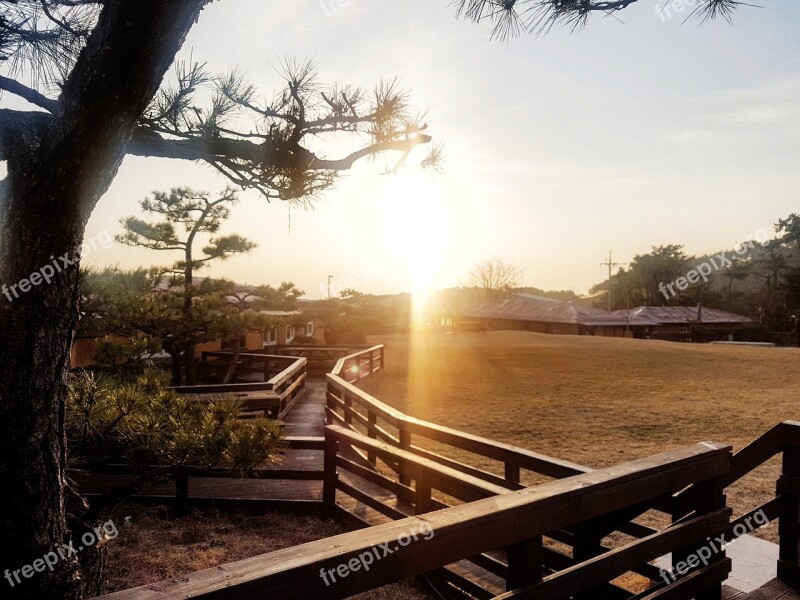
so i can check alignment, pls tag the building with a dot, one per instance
(688, 323)
(546, 315)
(290, 327)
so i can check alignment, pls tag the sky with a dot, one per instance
(635, 131)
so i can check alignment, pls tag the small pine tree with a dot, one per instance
(158, 433)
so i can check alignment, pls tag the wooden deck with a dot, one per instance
(494, 538)
(774, 590)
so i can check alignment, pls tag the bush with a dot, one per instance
(157, 432)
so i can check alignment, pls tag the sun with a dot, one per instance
(416, 228)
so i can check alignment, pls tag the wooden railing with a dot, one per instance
(559, 539)
(353, 411)
(284, 380)
(321, 359)
(782, 440)
(358, 365)
(288, 443)
(352, 407)
(513, 523)
(252, 366)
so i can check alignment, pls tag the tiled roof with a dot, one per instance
(547, 310)
(684, 314)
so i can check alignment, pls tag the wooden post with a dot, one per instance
(789, 525)
(405, 444)
(710, 497)
(371, 363)
(524, 563)
(587, 544)
(330, 404)
(373, 421)
(331, 477)
(381, 357)
(512, 474)
(422, 499)
(348, 408)
(181, 491)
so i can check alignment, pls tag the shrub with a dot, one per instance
(157, 432)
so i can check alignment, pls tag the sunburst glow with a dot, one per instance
(418, 228)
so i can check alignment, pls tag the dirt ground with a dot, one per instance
(151, 546)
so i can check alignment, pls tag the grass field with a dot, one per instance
(595, 401)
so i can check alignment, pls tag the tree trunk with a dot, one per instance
(234, 361)
(190, 366)
(55, 177)
(188, 282)
(176, 358)
(36, 331)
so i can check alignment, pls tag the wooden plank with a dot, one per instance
(610, 565)
(755, 454)
(773, 590)
(694, 583)
(227, 388)
(384, 411)
(465, 468)
(401, 491)
(729, 593)
(370, 501)
(300, 442)
(466, 581)
(458, 532)
(217, 473)
(294, 392)
(505, 453)
(443, 478)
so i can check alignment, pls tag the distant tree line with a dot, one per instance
(759, 278)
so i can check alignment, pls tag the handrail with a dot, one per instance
(782, 439)
(514, 521)
(278, 394)
(764, 448)
(514, 458)
(579, 509)
(351, 407)
(366, 354)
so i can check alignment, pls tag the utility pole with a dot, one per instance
(329, 286)
(610, 264)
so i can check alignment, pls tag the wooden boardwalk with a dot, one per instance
(372, 473)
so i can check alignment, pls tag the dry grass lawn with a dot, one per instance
(153, 547)
(595, 401)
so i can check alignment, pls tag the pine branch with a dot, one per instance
(36, 98)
